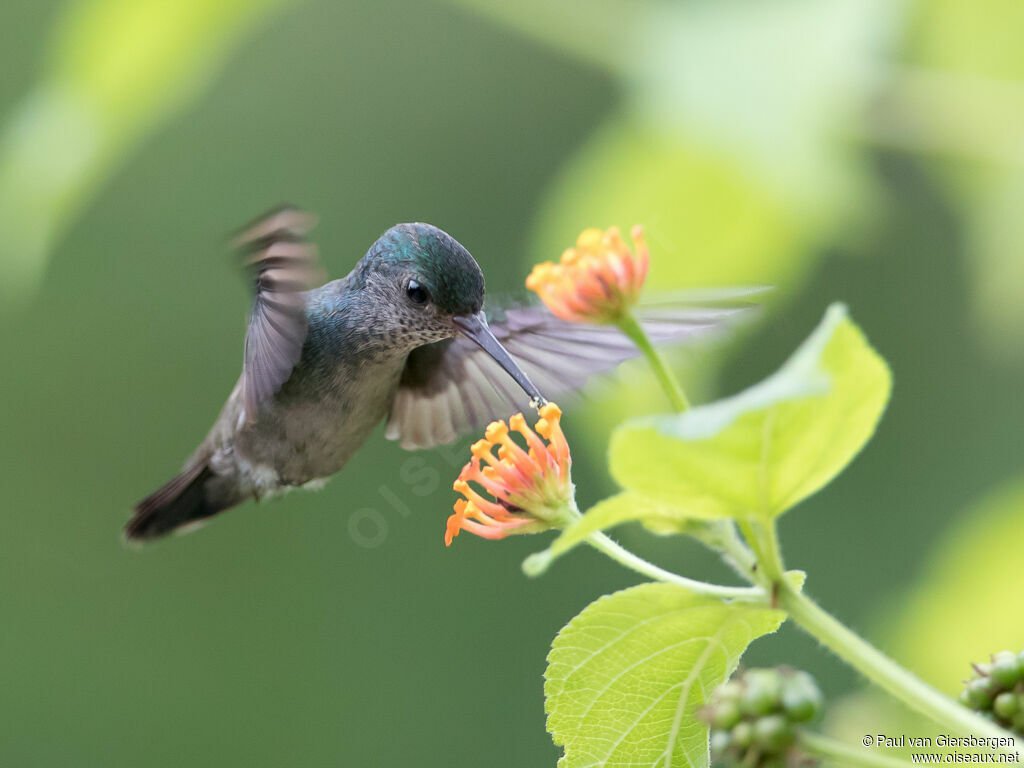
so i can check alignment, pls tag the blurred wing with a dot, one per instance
(283, 266)
(453, 387)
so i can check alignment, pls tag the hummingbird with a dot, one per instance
(403, 338)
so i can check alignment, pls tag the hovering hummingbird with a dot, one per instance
(403, 337)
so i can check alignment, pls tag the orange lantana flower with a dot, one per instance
(530, 486)
(595, 282)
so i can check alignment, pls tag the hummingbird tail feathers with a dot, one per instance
(182, 501)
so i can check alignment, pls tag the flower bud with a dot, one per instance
(997, 690)
(1006, 705)
(979, 694)
(763, 692)
(773, 733)
(726, 715)
(742, 734)
(755, 716)
(1006, 669)
(720, 742)
(801, 698)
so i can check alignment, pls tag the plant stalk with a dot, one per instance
(630, 326)
(880, 669)
(763, 539)
(623, 556)
(734, 551)
(854, 650)
(816, 745)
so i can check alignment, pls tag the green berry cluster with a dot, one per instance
(997, 690)
(754, 717)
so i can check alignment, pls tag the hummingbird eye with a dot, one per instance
(417, 293)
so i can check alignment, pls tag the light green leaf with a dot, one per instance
(708, 74)
(117, 68)
(969, 93)
(626, 678)
(618, 509)
(708, 221)
(969, 38)
(713, 70)
(760, 452)
(735, 159)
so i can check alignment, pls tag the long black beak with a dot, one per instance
(474, 327)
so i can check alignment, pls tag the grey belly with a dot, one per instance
(303, 442)
(308, 433)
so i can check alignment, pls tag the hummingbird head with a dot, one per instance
(432, 289)
(421, 278)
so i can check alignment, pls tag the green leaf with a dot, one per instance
(781, 117)
(969, 70)
(760, 452)
(618, 509)
(777, 120)
(969, 38)
(738, 177)
(626, 678)
(708, 220)
(117, 69)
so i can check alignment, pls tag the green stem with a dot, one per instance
(735, 552)
(620, 554)
(763, 539)
(852, 649)
(772, 555)
(816, 745)
(879, 668)
(629, 325)
(764, 542)
(842, 641)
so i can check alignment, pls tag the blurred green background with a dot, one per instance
(862, 151)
